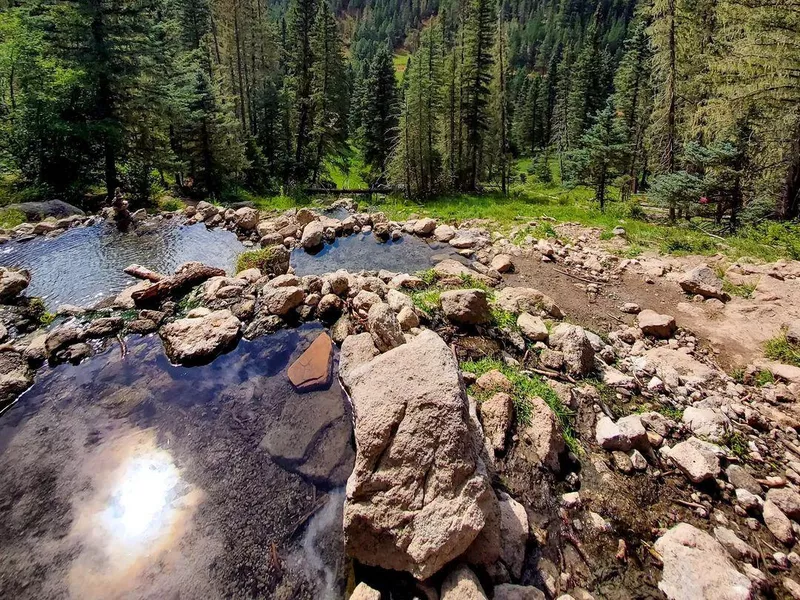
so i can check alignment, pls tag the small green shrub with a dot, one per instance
(11, 217)
(429, 276)
(504, 319)
(170, 204)
(744, 290)
(781, 349)
(764, 377)
(428, 301)
(525, 387)
(470, 281)
(737, 444)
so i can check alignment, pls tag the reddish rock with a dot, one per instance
(313, 369)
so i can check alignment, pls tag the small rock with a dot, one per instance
(513, 534)
(740, 478)
(532, 327)
(778, 523)
(466, 307)
(189, 341)
(702, 280)
(462, 584)
(384, 327)
(364, 592)
(738, 548)
(508, 591)
(697, 459)
(656, 325)
(787, 500)
(312, 369)
(494, 380)
(496, 416)
(502, 263)
(696, 567)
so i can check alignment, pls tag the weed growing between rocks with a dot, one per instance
(505, 320)
(524, 387)
(254, 259)
(428, 301)
(781, 349)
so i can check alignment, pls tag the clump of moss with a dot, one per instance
(256, 259)
(781, 349)
(525, 387)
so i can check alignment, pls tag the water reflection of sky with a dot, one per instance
(141, 503)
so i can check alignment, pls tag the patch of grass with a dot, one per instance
(781, 349)
(676, 414)
(255, 259)
(524, 388)
(171, 204)
(428, 301)
(737, 444)
(737, 375)
(11, 217)
(428, 276)
(744, 290)
(471, 282)
(764, 377)
(504, 319)
(132, 314)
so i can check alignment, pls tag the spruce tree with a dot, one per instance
(379, 126)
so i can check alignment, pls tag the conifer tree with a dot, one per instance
(379, 125)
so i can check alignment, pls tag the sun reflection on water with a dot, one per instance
(141, 504)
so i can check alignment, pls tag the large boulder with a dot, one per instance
(572, 341)
(192, 341)
(312, 235)
(246, 218)
(518, 300)
(466, 307)
(702, 280)
(696, 567)
(419, 492)
(36, 211)
(12, 282)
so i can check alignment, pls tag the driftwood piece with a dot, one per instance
(141, 272)
(187, 276)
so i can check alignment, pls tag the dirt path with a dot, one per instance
(735, 332)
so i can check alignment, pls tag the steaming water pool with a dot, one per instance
(84, 265)
(128, 477)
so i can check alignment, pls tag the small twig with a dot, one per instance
(689, 504)
(616, 318)
(122, 346)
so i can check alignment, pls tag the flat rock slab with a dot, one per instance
(312, 371)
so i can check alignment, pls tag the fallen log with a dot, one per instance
(141, 272)
(187, 276)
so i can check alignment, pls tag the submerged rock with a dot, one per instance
(312, 370)
(696, 567)
(190, 341)
(414, 501)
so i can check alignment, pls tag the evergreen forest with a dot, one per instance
(688, 101)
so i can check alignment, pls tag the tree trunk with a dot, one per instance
(789, 199)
